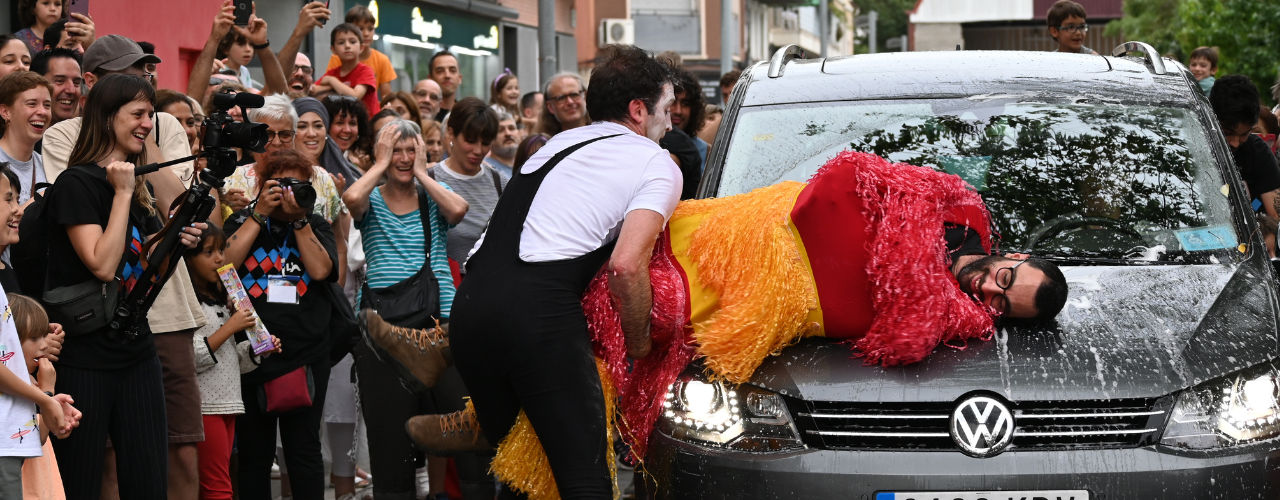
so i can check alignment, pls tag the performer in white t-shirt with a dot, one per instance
(594, 196)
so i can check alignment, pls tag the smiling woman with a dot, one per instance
(101, 216)
(14, 55)
(25, 103)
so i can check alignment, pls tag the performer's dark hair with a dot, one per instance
(622, 74)
(1052, 294)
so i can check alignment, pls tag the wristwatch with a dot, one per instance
(299, 224)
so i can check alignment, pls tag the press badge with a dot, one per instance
(282, 289)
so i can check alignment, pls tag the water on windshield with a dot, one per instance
(1082, 180)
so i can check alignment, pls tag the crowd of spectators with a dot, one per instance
(358, 188)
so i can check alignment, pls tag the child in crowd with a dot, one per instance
(360, 16)
(1203, 65)
(351, 78)
(24, 406)
(40, 477)
(220, 359)
(1067, 26)
(235, 53)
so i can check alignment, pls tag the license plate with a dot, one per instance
(984, 495)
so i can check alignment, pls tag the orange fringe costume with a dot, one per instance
(856, 253)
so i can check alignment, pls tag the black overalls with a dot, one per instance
(520, 341)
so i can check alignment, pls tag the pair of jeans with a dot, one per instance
(299, 434)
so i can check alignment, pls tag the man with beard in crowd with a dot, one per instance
(502, 155)
(302, 77)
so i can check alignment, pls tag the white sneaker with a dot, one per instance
(275, 470)
(424, 483)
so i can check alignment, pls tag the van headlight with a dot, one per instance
(1235, 410)
(745, 418)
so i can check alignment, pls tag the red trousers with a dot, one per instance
(215, 457)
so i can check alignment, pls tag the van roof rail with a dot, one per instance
(1148, 52)
(781, 57)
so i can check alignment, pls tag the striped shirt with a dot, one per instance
(393, 246)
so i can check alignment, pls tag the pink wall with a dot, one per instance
(178, 28)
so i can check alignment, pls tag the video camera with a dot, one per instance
(222, 137)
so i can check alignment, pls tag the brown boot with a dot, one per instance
(418, 354)
(448, 434)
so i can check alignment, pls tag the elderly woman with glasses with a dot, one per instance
(242, 187)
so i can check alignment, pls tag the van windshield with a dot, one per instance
(1074, 180)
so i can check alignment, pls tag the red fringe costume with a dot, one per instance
(856, 253)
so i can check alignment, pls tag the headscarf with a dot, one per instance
(331, 157)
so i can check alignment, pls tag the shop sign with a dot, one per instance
(432, 25)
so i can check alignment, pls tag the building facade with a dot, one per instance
(1002, 25)
(487, 35)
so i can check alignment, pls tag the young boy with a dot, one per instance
(351, 78)
(1067, 26)
(379, 62)
(1203, 65)
(236, 53)
(23, 406)
(1235, 102)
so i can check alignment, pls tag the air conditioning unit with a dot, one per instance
(620, 31)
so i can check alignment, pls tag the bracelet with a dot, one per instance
(259, 218)
(260, 47)
(48, 393)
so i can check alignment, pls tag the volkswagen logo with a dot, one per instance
(981, 426)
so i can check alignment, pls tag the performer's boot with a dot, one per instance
(418, 354)
(447, 434)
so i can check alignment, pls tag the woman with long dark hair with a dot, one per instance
(101, 216)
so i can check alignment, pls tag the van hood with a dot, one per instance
(1126, 332)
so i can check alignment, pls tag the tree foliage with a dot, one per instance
(1244, 31)
(1153, 21)
(892, 21)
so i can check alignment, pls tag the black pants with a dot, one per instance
(551, 375)
(299, 434)
(386, 404)
(127, 405)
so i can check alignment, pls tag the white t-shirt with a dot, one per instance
(25, 171)
(19, 434)
(582, 202)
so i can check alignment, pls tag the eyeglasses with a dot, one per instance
(572, 95)
(151, 77)
(1074, 28)
(1005, 277)
(306, 70)
(286, 136)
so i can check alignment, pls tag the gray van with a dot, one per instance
(1159, 377)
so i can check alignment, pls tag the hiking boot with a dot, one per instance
(456, 432)
(420, 355)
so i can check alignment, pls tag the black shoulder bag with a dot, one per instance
(415, 301)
